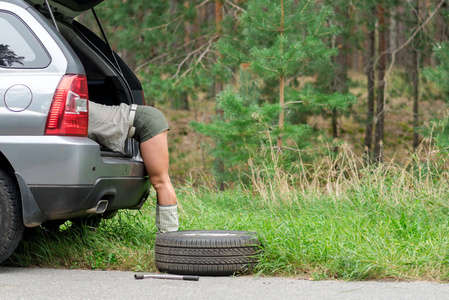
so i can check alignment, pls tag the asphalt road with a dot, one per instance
(34, 283)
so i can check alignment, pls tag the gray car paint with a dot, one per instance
(44, 164)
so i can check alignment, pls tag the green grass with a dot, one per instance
(357, 223)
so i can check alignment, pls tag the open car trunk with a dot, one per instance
(108, 84)
(109, 79)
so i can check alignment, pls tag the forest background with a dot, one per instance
(181, 51)
(320, 125)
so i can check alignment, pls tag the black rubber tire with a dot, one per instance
(11, 222)
(206, 252)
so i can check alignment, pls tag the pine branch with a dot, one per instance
(277, 28)
(305, 6)
(297, 150)
(163, 25)
(236, 6)
(170, 52)
(209, 45)
(266, 29)
(184, 61)
(271, 70)
(288, 27)
(174, 20)
(321, 22)
(207, 49)
(293, 102)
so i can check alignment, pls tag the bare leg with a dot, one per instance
(155, 156)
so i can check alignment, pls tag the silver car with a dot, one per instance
(50, 171)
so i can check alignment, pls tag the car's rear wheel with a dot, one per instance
(11, 223)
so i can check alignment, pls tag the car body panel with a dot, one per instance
(61, 177)
(54, 160)
(41, 82)
(32, 119)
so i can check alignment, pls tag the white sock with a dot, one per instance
(167, 218)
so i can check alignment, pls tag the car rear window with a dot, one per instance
(19, 47)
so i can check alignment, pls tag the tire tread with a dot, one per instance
(207, 252)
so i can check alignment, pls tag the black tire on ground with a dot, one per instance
(11, 223)
(206, 252)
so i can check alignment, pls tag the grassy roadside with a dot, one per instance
(385, 222)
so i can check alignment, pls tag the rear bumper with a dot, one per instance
(42, 203)
(58, 202)
(64, 177)
(69, 161)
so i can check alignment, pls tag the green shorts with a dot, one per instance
(149, 122)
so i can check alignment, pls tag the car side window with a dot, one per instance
(19, 47)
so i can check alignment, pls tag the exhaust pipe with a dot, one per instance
(100, 208)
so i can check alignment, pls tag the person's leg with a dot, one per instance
(154, 153)
(155, 156)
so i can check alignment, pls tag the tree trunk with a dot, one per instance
(281, 86)
(219, 32)
(219, 17)
(335, 126)
(415, 79)
(370, 79)
(218, 88)
(184, 102)
(442, 28)
(188, 29)
(380, 116)
(281, 115)
(341, 77)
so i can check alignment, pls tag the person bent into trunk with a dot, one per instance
(111, 125)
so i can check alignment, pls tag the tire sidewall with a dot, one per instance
(207, 252)
(11, 222)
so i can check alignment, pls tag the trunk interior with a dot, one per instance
(107, 84)
(104, 84)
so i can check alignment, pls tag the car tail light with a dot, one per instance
(69, 111)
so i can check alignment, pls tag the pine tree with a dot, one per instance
(281, 41)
